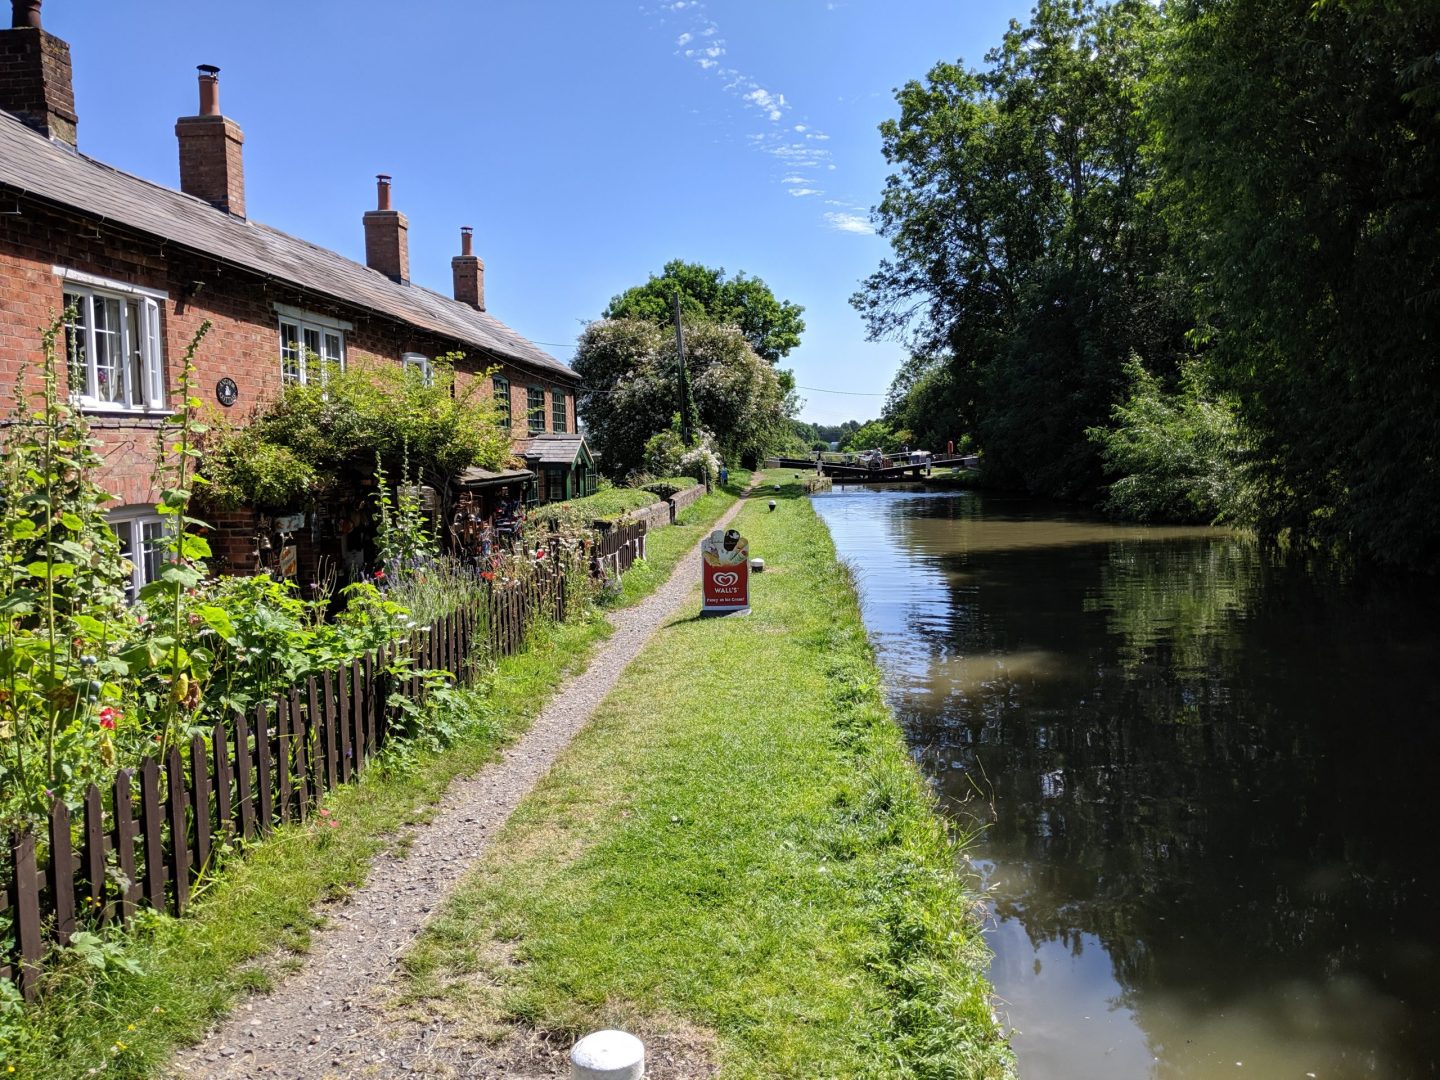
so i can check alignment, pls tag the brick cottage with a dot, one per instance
(144, 266)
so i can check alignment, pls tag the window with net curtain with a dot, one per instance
(113, 349)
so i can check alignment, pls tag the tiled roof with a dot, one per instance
(35, 165)
(553, 449)
(478, 477)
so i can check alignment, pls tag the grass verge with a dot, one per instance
(744, 852)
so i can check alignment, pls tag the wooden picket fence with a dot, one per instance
(618, 546)
(146, 838)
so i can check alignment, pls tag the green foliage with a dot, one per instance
(316, 437)
(609, 505)
(1027, 248)
(1300, 143)
(405, 538)
(666, 453)
(670, 485)
(631, 390)
(771, 327)
(928, 399)
(1173, 456)
(62, 606)
(875, 435)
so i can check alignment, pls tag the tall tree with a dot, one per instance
(631, 391)
(771, 326)
(1025, 245)
(1303, 140)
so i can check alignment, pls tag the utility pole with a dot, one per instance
(685, 434)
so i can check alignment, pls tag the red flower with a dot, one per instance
(379, 575)
(108, 716)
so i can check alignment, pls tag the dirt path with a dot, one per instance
(313, 1024)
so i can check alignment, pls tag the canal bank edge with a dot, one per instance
(737, 860)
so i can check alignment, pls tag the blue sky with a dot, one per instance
(586, 142)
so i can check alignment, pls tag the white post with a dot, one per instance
(608, 1055)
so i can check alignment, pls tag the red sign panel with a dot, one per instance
(725, 571)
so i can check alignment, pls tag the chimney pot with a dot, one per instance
(212, 163)
(468, 272)
(387, 236)
(209, 90)
(25, 13)
(35, 80)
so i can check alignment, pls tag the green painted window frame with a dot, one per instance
(535, 412)
(500, 393)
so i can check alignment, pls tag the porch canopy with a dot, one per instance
(476, 478)
(564, 463)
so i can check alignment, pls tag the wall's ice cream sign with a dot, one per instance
(725, 571)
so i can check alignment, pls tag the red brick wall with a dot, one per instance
(242, 343)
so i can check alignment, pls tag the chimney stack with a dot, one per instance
(211, 165)
(387, 236)
(35, 75)
(469, 273)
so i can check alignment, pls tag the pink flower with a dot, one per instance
(108, 716)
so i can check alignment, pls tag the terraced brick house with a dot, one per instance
(144, 265)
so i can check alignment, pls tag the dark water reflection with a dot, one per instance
(1204, 777)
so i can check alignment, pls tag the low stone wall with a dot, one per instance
(655, 516)
(681, 499)
(658, 515)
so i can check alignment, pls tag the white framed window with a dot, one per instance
(309, 349)
(142, 544)
(113, 350)
(421, 363)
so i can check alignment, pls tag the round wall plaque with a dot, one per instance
(226, 392)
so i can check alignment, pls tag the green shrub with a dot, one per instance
(608, 505)
(669, 485)
(1173, 456)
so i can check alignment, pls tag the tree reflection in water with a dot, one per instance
(1213, 761)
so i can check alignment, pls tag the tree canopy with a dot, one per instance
(631, 390)
(1182, 259)
(1026, 248)
(1311, 217)
(772, 327)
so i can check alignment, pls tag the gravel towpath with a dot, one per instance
(313, 1025)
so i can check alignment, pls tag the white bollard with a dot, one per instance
(608, 1055)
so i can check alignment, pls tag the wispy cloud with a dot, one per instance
(795, 144)
(851, 223)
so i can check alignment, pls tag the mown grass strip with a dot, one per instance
(193, 970)
(738, 844)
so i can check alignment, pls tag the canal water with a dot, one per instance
(1201, 780)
